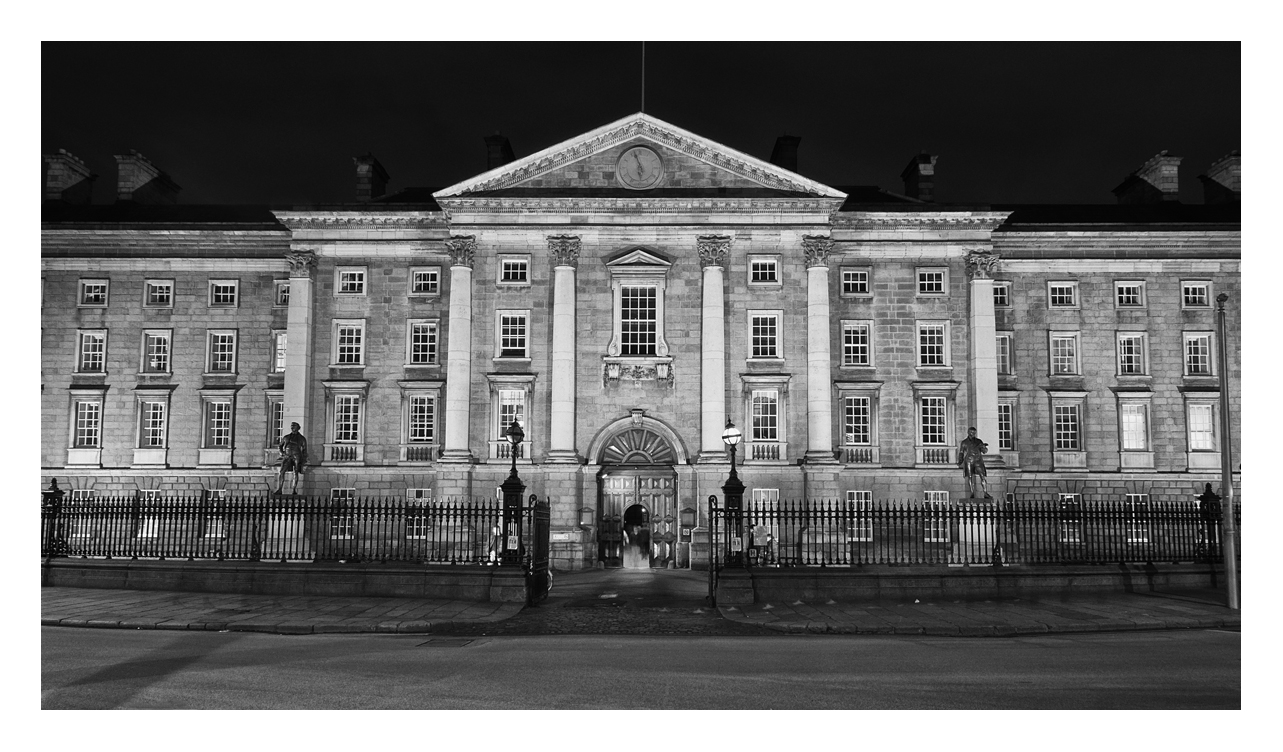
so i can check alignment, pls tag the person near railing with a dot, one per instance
(293, 449)
(971, 459)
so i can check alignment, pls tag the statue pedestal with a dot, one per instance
(285, 539)
(979, 531)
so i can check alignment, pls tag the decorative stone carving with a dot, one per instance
(301, 262)
(637, 370)
(982, 264)
(817, 249)
(461, 248)
(713, 249)
(564, 249)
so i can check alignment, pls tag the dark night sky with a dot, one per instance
(279, 123)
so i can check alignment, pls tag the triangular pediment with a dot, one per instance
(639, 257)
(587, 165)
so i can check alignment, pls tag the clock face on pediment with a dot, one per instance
(639, 168)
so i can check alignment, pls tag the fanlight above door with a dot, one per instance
(638, 446)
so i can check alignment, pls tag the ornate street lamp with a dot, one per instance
(733, 492)
(512, 489)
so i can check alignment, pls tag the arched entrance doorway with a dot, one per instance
(637, 518)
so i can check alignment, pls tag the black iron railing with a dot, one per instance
(267, 528)
(856, 533)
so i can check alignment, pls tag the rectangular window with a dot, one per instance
(935, 505)
(88, 429)
(766, 415)
(222, 352)
(860, 505)
(855, 281)
(342, 524)
(857, 421)
(1003, 351)
(218, 424)
(93, 292)
(1136, 507)
(764, 334)
(514, 271)
(1196, 295)
(347, 419)
(1064, 353)
(418, 513)
(156, 351)
(1006, 426)
(512, 334)
(1198, 354)
(275, 423)
(158, 293)
(1067, 426)
(763, 271)
(1001, 294)
(281, 293)
(1131, 354)
(425, 281)
(856, 343)
(279, 350)
(92, 350)
(931, 281)
(422, 344)
(1071, 522)
(638, 317)
(1135, 426)
(1202, 431)
(931, 420)
(933, 341)
(1129, 294)
(1062, 294)
(512, 406)
(214, 523)
(349, 343)
(223, 293)
(764, 513)
(422, 419)
(151, 429)
(349, 280)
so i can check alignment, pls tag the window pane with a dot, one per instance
(1195, 295)
(762, 270)
(512, 336)
(764, 337)
(1063, 296)
(88, 424)
(278, 351)
(856, 420)
(276, 423)
(152, 431)
(222, 293)
(1135, 429)
(1201, 436)
(156, 353)
(1064, 355)
(512, 406)
(638, 319)
(855, 282)
(160, 293)
(1131, 351)
(1198, 355)
(765, 415)
(425, 282)
(218, 424)
(349, 344)
(930, 282)
(423, 343)
(93, 346)
(1006, 426)
(422, 418)
(931, 345)
(351, 282)
(222, 352)
(513, 270)
(1066, 425)
(1003, 351)
(932, 411)
(1001, 295)
(347, 419)
(855, 344)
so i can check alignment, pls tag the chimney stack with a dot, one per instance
(139, 181)
(498, 151)
(371, 178)
(920, 177)
(1220, 183)
(1154, 182)
(785, 152)
(68, 179)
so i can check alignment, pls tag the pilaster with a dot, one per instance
(298, 341)
(458, 385)
(713, 250)
(819, 402)
(984, 354)
(564, 250)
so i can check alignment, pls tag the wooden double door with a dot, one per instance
(637, 528)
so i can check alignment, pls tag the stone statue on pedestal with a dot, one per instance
(971, 459)
(293, 457)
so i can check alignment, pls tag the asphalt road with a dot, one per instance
(104, 668)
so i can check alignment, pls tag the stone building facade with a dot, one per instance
(623, 294)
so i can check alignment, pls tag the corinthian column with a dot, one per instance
(564, 250)
(712, 401)
(984, 350)
(458, 385)
(819, 402)
(298, 341)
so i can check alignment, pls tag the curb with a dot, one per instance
(1000, 630)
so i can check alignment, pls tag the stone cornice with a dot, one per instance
(639, 205)
(626, 129)
(310, 220)
(917, 220)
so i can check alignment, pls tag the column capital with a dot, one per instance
(981, 263)
(564, 250)
(713, 249)
(817, 249)
(461, 249)
(302, 261)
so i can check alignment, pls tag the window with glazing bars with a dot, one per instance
(342, 526)
(351, 281)
(638, 316)
(860, 505)
(765, 335)
(855, 343)
(764, 508)
(1065, 427)
(93, 292)
(1201, 431)
(276, 423)
(936, 524)
(856, 420)
(765, 415)
(93, 352)
(422, 423)
(88, 424)
(1002, 348)
(855, 281)
(512, 335)
(1198, 354)
(282, 297)
(214, 500)
(218, 424)
(930, 281)
(279, 350)
(425, 282)
(1136, 507)
(151, 432)
(159, 293)
(1195, 295)
(1131, 354)
(1064, 355)
(1006, 426)
(418, 513)
(512, 406)
(1129, 294)
(931, 345)
(514, 270)
(222, 293)
(1062, 295)
(763, 271)
(347, 419)
(932, 416)
(222, 352)
(1135, 419)
(423, 343)
(156, 352)
(349, 344)
(1071, 523)
(1001, 294)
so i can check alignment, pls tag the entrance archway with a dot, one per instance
(637, 510)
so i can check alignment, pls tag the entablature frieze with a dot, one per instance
(913, 221)
(312, 220)
(165, 265)
(475, 210)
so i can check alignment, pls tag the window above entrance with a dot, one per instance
(638, 350)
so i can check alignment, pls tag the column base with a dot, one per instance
(817, 457)
(562, 457)
(458, 457)
(713, 458)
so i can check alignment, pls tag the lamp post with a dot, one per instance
(1229, 547)
(512, 489)
(733, 492)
